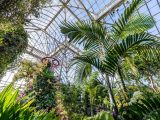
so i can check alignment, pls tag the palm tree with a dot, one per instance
(105, 49)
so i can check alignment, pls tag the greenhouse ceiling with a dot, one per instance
(45, 36)
(47, 40)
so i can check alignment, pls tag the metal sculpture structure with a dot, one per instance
(51, 62)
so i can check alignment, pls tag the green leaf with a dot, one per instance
(102, 116)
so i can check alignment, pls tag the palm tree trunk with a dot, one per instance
(91, 106)
(150, 78)
(121, 78)
(112, 99)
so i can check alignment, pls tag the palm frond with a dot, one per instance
(82, 70)
(114, 56)
(90, 33)
(129, 64)
(12, 109)
(146, 109)
(120, 25)
(92, 59)
(149, 51)
(149, 54)
(137, 24)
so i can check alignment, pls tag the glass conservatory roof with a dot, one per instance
(47, 40)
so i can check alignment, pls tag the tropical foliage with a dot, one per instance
(17, 11)
(117, 74)
(109, 50)
(102, 116)
(13, 41)
(145, 108)
(13, 109)
(39, 86)
(13, 37)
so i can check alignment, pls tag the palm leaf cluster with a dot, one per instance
(108, 50)
(13, 41)
(105, 50)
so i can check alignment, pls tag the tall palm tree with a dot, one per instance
(106, 49)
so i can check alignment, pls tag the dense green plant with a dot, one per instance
(87, 98)
(13, 37)
(12, 109)
(44, 91)
(13, 41)
(28, 71)
(17, 11)
(40, 82)
(107, 50)
(103, 115)
(96, 93)
(146, 107)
